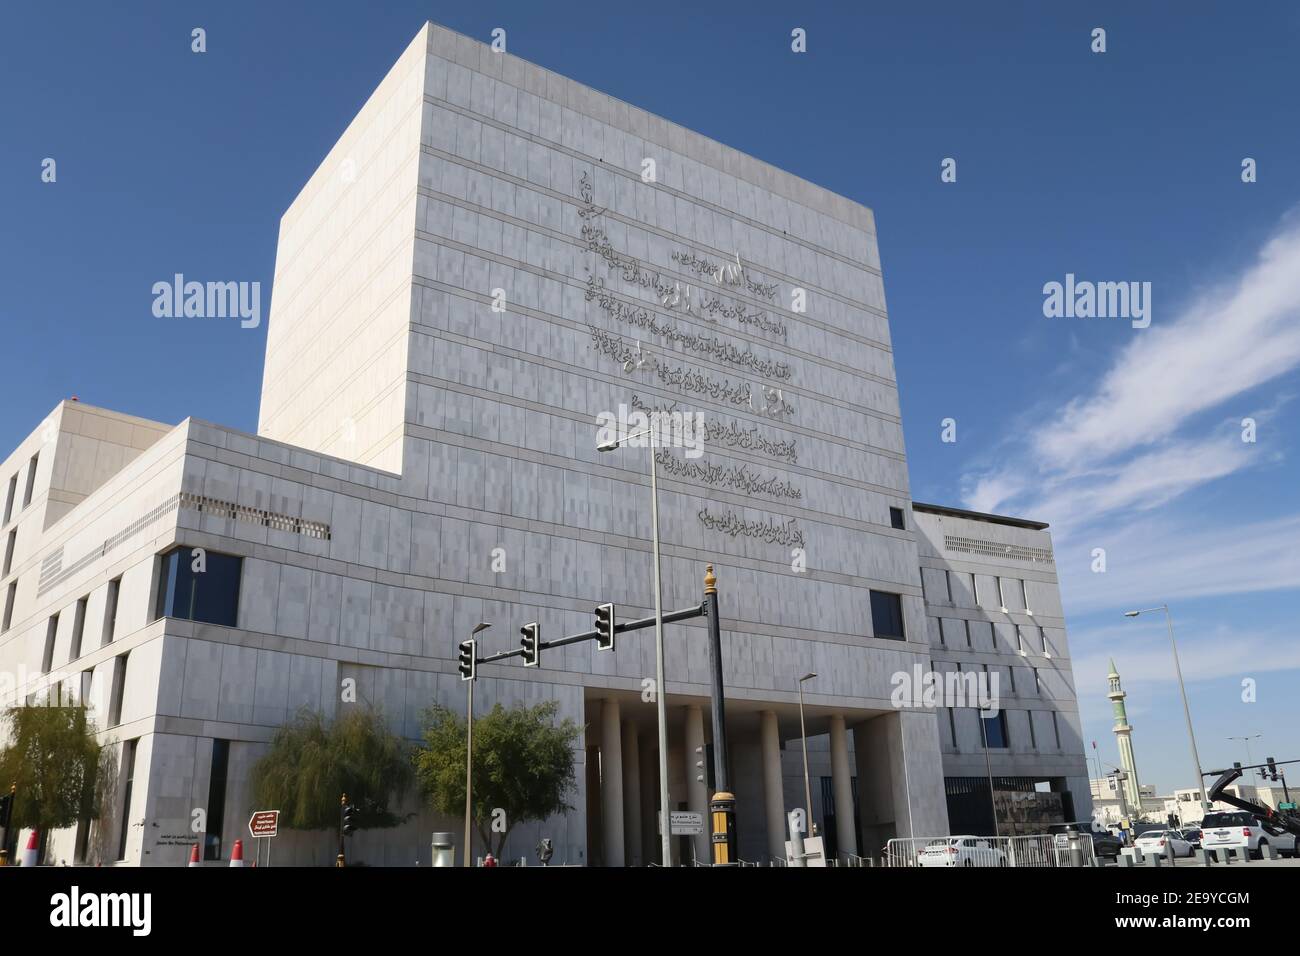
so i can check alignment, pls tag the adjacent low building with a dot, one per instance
(490, 259)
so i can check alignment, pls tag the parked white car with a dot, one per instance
(1239, 830)
(961, 851)
(1158, 842)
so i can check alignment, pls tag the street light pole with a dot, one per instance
(803, 737)
(1187, 711)
(664, 816)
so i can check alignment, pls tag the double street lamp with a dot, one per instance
(1187, 711)
(664, 827)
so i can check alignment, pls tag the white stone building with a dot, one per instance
(476, 271)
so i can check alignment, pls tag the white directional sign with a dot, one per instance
(683, 823)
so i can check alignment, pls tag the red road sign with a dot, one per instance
(264, 823)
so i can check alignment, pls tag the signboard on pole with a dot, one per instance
(264, 823)
(683, 822)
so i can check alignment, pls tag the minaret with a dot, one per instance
(1122, 731)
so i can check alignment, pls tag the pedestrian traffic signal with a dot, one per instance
(532, 644)
(351, 818)
(1271, 773)
(466, 664)
(605, 627)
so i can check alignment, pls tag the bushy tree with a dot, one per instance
(313, 762)
(523, 764)
(53, 762)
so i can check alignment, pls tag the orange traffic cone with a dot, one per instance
(29, 854)
(237, 854)
(194, 855)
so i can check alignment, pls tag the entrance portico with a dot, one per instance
(861, 751)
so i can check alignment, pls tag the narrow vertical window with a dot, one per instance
(1056, 730)
(216, 799)
(31, 480)
(78, 628)
(128, 775)
(119, 687)
(11, 594)
(10, 541)
(110, 612)
(51, 633)
(10, 495)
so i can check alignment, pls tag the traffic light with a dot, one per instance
(605, 627)
(1271, 773)
(466, 664)
(351, 818)
(532, 644)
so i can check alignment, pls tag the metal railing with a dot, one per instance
(1038, 850)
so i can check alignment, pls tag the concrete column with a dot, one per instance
(611, 782)
(632, 795)
(842, 785)
(773, 793)
(697, 791)
(595, 852)
(649, 797)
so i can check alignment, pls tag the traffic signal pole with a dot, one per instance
(722, 808)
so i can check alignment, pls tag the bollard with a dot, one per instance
(1152, 859)
(1124, 859)
(722, 816)
(1202, 857)
(1266, 852)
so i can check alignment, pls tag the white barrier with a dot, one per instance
(1038, 850)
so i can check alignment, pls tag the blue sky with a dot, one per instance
(1122, 166)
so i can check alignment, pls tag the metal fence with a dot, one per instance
(1045, 849)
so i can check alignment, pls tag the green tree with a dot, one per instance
(523, 764)
(311, 763)
(53, 760)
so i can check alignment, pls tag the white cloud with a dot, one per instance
(1225, 342)
(1120, 447)
(1150, 561)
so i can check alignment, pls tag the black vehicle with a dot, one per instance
(1192, 835)
(1104, 844)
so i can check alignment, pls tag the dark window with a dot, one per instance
(9, 551)
(1033, 737)
(9, 498)
(216, 799)
(886, 615)
(210, 595)
(31, 480)
(1056, 730)
(119, 685)
(110, 612)
(78, 628)
(896, 518)
(87, 685)
(128, 773)
(51, 632)
(10, 596)
(995, 731)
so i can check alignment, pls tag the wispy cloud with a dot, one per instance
(1139, 440)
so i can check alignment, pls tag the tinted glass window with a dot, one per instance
(210, 594)
(896, 518)
(1227, 820)
(995, 730)
(886, 615)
